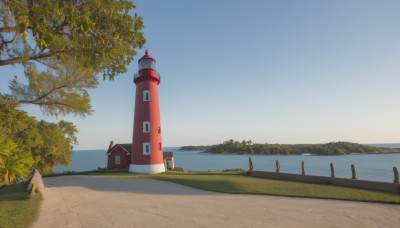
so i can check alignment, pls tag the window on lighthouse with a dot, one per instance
(146, 148)
(146, 127)
(146, 95)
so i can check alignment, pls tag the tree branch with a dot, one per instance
(9, 29)
(43, 96)
(27, 58)
(4, 43)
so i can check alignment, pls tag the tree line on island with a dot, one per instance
(248, 147)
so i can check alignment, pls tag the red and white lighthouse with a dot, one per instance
(147, 154)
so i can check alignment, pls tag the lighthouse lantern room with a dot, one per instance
(147, 154)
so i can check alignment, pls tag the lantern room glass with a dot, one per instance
(147, 64)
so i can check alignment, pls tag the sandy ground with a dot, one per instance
(85, 201)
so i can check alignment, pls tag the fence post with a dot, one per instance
(396, 175)
(353, 172)
(332, 170)
(278, 166)
(250, 172)
(303, 171)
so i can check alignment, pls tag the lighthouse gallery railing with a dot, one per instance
(137, 75)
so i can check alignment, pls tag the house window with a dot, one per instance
(146, 127)
(146, 148)
(146, 95)
(117, 160)
(159, 146)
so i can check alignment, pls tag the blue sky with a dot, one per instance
(266, 71)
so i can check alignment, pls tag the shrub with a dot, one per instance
(178, 169)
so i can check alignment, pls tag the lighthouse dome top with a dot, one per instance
(147, 62)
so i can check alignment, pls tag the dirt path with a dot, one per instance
(85, 201)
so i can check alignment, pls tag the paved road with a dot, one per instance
(85, 201)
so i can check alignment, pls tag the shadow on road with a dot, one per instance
(139, 186)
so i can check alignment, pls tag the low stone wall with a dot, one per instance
(363, 184)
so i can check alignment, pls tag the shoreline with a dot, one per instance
(331, 148)
(322, 155)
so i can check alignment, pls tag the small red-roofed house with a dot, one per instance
(119, 156)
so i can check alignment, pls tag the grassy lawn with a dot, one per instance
(238, 183)
(16, 210)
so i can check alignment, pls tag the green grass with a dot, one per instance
(16, 209)
(238, 183)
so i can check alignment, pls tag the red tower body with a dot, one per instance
(147, 154)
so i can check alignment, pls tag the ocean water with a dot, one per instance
(377, 167)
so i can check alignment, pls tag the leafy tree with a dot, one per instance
(14, 162)
(20, 128)
(26, 144)
(56, 148)
(74, 40)
(59, 90)
(62, 46)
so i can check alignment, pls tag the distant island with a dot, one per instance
(205, 148)
(332, 148)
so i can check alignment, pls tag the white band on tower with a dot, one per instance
(154, 168)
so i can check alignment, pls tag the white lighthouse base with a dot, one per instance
(154, 168)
